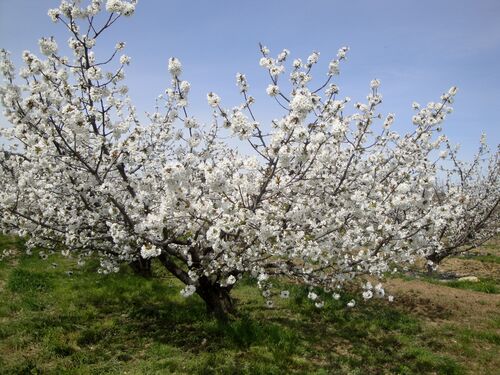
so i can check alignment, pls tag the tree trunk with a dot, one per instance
(141, 267)
(436, 259)
(217, 299)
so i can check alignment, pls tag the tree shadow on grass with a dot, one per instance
(374, 337)
(109, 320)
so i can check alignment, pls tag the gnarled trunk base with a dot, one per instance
(217, 298)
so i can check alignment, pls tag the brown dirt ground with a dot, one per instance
(470, 267)
(442, 303)
(439, 303)
(445, 309)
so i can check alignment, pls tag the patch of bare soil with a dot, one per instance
(442, 303)
(470, 267)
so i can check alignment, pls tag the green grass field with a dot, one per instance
(87, 323)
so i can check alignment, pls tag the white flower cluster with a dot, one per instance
(124, 60)
(241, 125)
(369, 291)
(241, 82)
(48, 46)
(188, 291)
(312, 59)
(120, 6)
(466, 213)
(374, 84)
(333, 67)
(272, 90)
(302, 103)
(174, 67)
(213, 99)
(150, 251)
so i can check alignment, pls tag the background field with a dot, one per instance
(87, 323)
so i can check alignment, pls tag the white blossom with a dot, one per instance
(341, 54)
(185, 86)
(150, 251)
(124, 60)
(188, 291)
(54, 14)
(213, 99)
(174, 67)
(272, 90)
(367, 294)
(374, 84)
(313, 58)
(379, 291)
(312, 296)
(333, 68)
(128, 9)
(114, 5)
(48, 46)
(302, 103)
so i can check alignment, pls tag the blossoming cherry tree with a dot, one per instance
(328, 196)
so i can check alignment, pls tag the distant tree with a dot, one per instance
(327, 199)
(467, 212)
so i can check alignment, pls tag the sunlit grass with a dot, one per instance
(97, 324)
(483, 285)
(487, 258)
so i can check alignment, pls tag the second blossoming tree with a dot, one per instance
(467, 205)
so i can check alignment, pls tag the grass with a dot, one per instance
(484, 285)
(89, 323)
(487, 258)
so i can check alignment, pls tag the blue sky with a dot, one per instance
(418, 49)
